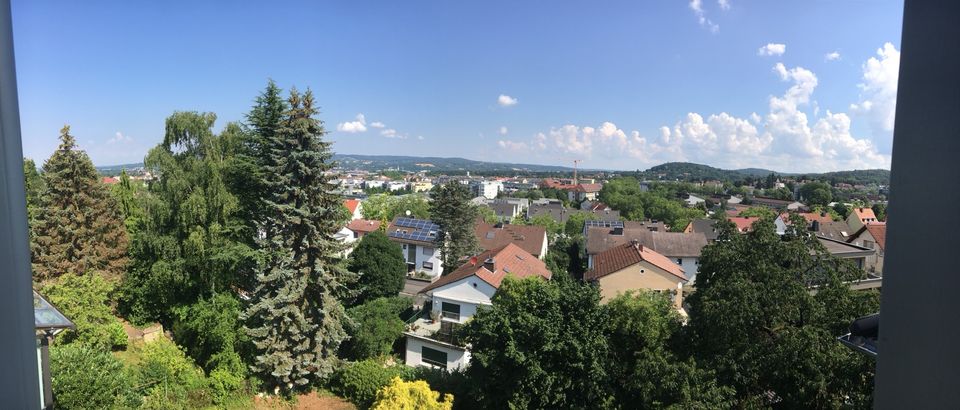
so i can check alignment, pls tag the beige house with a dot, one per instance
(632, 266)
(859, 217)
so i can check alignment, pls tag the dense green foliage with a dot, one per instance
(452, 211)
(624, 194)
(79, 229)
(210, 332)
(375, 326)
(295, 319)
(754, 321)
(87, 378)
(85, 299)
(359, 382)
(192, 244)
(128, 195)
(541, 345)
(380, 265)
(383, 207)
(816, 193)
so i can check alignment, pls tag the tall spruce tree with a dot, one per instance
(295, 319)
(452, 210)
(79, 229)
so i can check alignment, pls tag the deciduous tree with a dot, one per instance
(380, 265)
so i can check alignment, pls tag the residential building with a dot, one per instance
(561, 214)
(836, 230)
(872, 236)
(421, 186)
(530, 238)
(854, 253)
(745, 223)
(693, 200)
(361, 227)
(583, 192)
(705, 226)
(418, 240)
(859, 217)
(456, 297)
(779, 203)
(395, 185)
(355, 207)
(632, 266)
(486, 189)
(681, 248)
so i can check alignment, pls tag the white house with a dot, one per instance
(455, 299)
(396, 185)
(355, 207)
(418, 240)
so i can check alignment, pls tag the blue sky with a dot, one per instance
(618, 84)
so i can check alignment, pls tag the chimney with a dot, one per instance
(816, 226)
(473, 261)
(489, 265)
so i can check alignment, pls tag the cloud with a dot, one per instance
(697, 7)
(119, 137)
(783, 138)
(377, 124)
(352, 127)
(878, 92)
(503, 131)
(506, 101)
(420, 137)
(832, 56)
(772, 49)
(724, 4)
(392, 133)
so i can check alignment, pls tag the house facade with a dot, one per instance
(872, 236)
(418, 241)
(681, 248)
(632, 266)
(859, 217)
(456, 297)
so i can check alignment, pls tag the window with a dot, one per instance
(428, 265)
(450, 310)
(427, 251)
(433, 357)
(679, 261)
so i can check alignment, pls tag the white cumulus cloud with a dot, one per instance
(352, 127)
(119, 137)
(832, 56)
(377, 124)
(724, 4)
(772, 49)
(701, 14)
(878, 92)
(506, 101)
(503, 130)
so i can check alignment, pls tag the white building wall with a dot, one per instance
(433, 257)
(470, 293)
(456, 358)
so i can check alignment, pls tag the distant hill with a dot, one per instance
(406, 163)
(687, 171)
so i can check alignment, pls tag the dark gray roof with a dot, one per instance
(842, 249)
(671, 244)
(706, 227)
(836, 230)
(561, 214)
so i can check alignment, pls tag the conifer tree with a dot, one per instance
(452, 210)
(295, 320)
(79, 228)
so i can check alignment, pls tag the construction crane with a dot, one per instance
(575, 162)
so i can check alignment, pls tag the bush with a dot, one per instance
(359, 382)
(210, 328)
(172, 379)
(85, 300)
(86, 378)
(375, 326)
(401, 394)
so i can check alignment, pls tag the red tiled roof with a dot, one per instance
(811, 217)
(528, 237)
(864, 213)
(744, 223)
(363, 225)
(619, 257)
(589, 188)
(351, 204)
(508, 260)
(110, 180)
(878, 230)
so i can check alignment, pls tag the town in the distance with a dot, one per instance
(252, 267)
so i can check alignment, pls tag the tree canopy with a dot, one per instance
(452, 210)
(380, 265)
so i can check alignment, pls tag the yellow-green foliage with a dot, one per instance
(401, 395)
